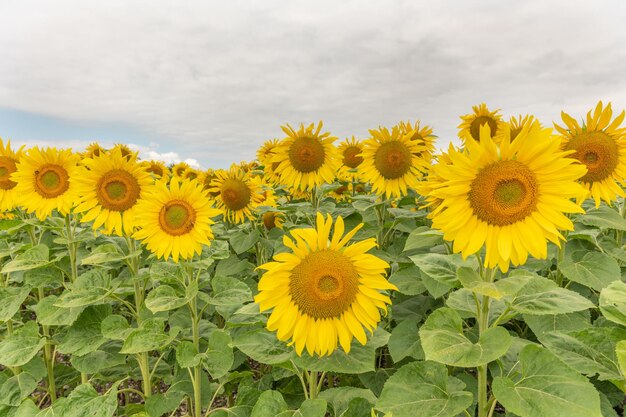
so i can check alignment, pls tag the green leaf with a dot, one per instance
(48, 314)
(340, 397)
(219, 356)
(32, 258)
(84, 401)
(90, 288)
(94, 362)
(115, 327)
(12, 298)
(165, 298)
(471, 280)
(408, 280)
(542, 296)
(106, 253)
(361, 359)
(613, 302)
(595, 270)
(16, 388)
(423, 238)
(241, 241)
(543, 386)
(308, 408)
(443, 341)
(590, 351)
(145, 339)
(262, 346)
(405, 342)
(540, 325)
(20, 347)
(620, 353)
(229, 291)
(423, 389)
(441, 268)
(603, 217)
(84, 335)
(187, 355)
(269, 404)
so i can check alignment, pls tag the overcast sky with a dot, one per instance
(210, 81)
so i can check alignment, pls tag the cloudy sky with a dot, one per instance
(209, 81)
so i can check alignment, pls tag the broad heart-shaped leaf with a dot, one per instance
(219, 356)
(408, 280)
(360, 360)
(90, 288)
(108, 252)
(540, 385)
(48, 314)
(603, 217)
(229, 291)
(471, 280)
(261, 345)
(423, 238)
(32, 258)
(12, 298)
(568, 322)
(84, 401)
(269, 404)
(441, 268)
(20, 347)
(404, 341)
(613, 302)
(443, 341)
(590, 351)
(542, 296)
(95, 361)
(340, 397)
(115, 327)
(423, 389)
(187, 355)
(84, 335)
(594, 269)
(145, 339)
(308, 408)
(16, 388)
(620, 352)
(241, 240)
(164, 297)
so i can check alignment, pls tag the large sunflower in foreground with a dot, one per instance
(43, 181)
(600, 144)
(391, 162)
(324, 291)
(470, 127)
(306, 158)
(8, 165)
(175, 221)
(423, 134)
(510, 198)
(110, 188)
(350, 151)
(237, 194)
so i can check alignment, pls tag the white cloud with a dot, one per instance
(216, 79)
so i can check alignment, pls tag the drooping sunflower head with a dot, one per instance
(178, 170)
(237, 194)
(9, 159)
(470, 126)
(422, 135)
(392, 162)
(325, 291)
(176, 220)
(157, 169)
(126, 152)
(266, 151)
(599, 144)
(350, 151)
(272, 219)
(110, 188)
(306, 158)
(94, 149)
(510, 198)
(43, 181)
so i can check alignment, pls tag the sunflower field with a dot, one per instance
(375, 277)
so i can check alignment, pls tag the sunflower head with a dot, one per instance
(237, 194)
(469, 129)
(126, 152)
(191, 174)
(176, 220)
(600, 144)
(350, 151)
(272, 219)
(392, 162)
(341, 193)
(156, 168)
(422, 135)
(266, 150)
(178, 170)
(509, 198)
(43, 181)
(325, 291)
(9, 159)
(305, 158)
(94, 150)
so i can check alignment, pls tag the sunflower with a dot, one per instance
(93, 149)
(43, 181)
(266, 150)
(434, 180)
(8, 165)
(110, 188)
(191, 174)
(272, 219)
(350, 151)
(175, 221)
(391, 162)
(470, 127)
(341, 193)
(157, 168)
(268, 197)
(510, 198)
(600, 144)
(306, 158)
(422, 134)
(7, 215)
(178, 170)
(515, 125)
(237, 194)
(324, 291)
(125, 151)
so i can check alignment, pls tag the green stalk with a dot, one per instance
(483, 325)
(71, 247)
(312, 377)
(195, 331)
(48, 357)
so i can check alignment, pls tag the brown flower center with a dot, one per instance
(480, 121)
(306, 154)
(392, 159)
(352, 157)
(51, 181)
(118, 190)
(7, 167)
(235, 194)
(177, 217)
(598, 151)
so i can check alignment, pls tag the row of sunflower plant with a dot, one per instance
(372, 278)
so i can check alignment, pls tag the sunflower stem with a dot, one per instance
(48, 357)
(488, 275)
(195, 331)
(313, 387)
(71, 247)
